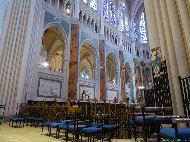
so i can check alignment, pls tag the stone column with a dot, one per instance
(122, 75)
(13, 54)
(161, 30)
(177, 35)
(73, 65)
(101, 18)
(76, 9)
(102, 70)
(163, 45)
(185, 23)
(177, 102)
(151, 23)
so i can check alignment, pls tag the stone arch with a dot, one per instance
(128, 75)
(138, 78)
(87, 60)
(147, 77)
(54, 47)
(111, 69)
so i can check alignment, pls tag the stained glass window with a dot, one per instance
(93, 4)
(127, 25)
(105, 10)
(112, 11)
(143, 29)
(85, 1)
(124, 19)
(122, 22)
(135, 30)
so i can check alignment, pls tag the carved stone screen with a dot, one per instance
(49, 88)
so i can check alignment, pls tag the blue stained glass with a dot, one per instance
(112, 8)
(143, 29)
(105, 10)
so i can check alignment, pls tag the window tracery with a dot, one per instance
(143, 28)
(112, 12)
(105, 10)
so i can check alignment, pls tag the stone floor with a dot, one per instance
(31, 134)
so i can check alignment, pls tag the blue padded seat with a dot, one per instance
(148, 119)
(183, 133)
(96, 125)
(17, 119)
(91, 130)
(34, 118)
(63, 126)
(79, 127)
(53, 124)
(110, 127)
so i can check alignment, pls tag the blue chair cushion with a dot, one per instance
(17, 119)
(110, 127)
(52, 124)
(96, 124)
(64, 126)
(91, 130)
(183, 133)
(148, 119)
(79, 127)
(34, 118)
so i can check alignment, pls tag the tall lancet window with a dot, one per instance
(124, 23)
(112, 12)
(105, 10)
(94, 4)
(135, 30)
(143, 29)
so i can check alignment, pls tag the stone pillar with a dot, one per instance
(177, 35)
(102, 70)
(76, 9)
(73, 65)
(163, 45)
(122, 75)
(151, 23)
(185, 22)
(14, 53)
(101, 18)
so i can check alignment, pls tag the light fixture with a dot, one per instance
(68, 11)
(141, 87)
(45, 64)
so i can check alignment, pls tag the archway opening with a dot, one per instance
(87, 61)
(51, 55)
(147, 81)
(111, 69)
(128, 79)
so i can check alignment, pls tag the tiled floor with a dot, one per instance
(30, 134)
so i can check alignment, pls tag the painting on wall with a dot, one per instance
(49, 88)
